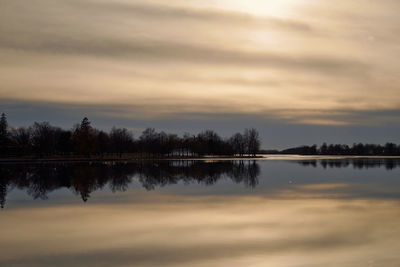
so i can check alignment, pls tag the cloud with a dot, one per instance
(201, 14)
(64, 36)
(318, 65)
(155, 51)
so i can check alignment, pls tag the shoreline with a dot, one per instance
(203, 158)
(120, 159)
(322, 157)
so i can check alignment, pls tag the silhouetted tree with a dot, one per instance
(238, 144)
(210, 143)
(252, 140)
(176, 144)
(390, 149)
(4, 141)
(84, 138)
(43, 138)
(64, 143)
(148, 141)
(21, 139)
(187, 143)
(104, 142)
(323, 149)
(121, 140)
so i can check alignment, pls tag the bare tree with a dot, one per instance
(121, 140)
(252, 140)
(238, 143)
(21, 138)
(43, 138)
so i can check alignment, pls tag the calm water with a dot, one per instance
(334, 212)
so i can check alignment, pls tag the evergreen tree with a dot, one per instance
(84, 138)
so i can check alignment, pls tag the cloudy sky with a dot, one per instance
(301, 71)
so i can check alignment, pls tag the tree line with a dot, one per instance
(43, 140)
(357, 149)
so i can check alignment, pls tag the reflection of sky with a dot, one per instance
(275, 177)
(296, 216)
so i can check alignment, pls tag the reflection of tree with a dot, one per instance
(307, 163)
(41, 182)
(246, 173)
(167, 173)
(357, 163)
(84, 178)
(118, 178)
(3, 191)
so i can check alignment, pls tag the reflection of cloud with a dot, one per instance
(340, 191)
(322, 186)
(204, 231)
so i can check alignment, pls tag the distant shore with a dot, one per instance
(322, 157)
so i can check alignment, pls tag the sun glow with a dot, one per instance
(275, 8)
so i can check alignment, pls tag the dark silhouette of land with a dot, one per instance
(83, 178)
(44, 141)
(359, 149)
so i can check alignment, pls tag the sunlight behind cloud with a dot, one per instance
(248, 57)
(275, 8)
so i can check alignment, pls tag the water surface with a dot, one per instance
(313, 212)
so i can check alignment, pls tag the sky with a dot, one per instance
(300, 71)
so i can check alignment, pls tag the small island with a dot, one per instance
(357, 149)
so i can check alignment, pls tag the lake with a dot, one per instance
(282, 211)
